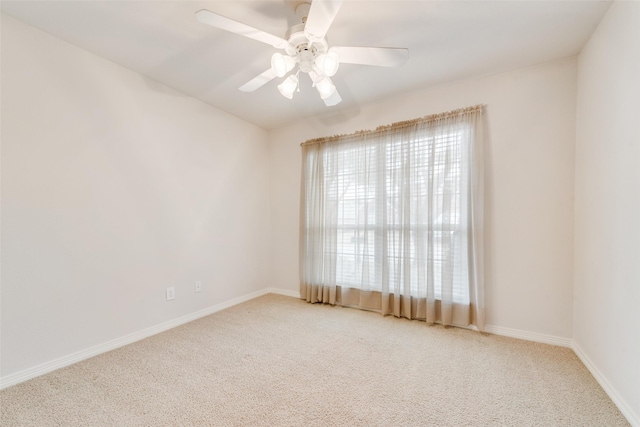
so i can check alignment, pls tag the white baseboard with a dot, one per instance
(76, 357)
(529, 336)
(630, 415)
(285, 292)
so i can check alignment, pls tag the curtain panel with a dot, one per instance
(392, 219)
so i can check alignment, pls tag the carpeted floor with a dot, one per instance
(278, 361)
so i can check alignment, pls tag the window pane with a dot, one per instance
(398, 212)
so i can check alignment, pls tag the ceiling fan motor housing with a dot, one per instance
(300, 47)
(298, 42)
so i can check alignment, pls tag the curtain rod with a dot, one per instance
(397, 125)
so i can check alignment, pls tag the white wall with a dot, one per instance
(531, 122)
(115, 187)
(607, 206)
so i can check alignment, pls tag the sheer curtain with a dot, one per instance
(391, 219)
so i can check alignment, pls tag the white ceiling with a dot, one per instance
(447, 41)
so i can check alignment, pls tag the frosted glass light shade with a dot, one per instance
(325, 87)
(288, 86)
(328, 63)
(281, 64)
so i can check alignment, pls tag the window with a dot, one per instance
(388, 211)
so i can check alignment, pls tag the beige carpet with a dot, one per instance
(277, 361)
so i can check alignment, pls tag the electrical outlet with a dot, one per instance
(198, 286)
(171, 293)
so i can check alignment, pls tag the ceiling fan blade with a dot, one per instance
(228, 24)
(259, 81)
(332, 100)
(321, 15)
(378, 56)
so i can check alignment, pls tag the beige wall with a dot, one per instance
(115, 187)
(607, 207)
(531, 123)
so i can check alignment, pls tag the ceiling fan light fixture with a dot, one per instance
(281, 64)
(307, 49)
(328, 63)
(288, 86)
(325, 87)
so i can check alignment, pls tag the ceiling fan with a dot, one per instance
(307, 49)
